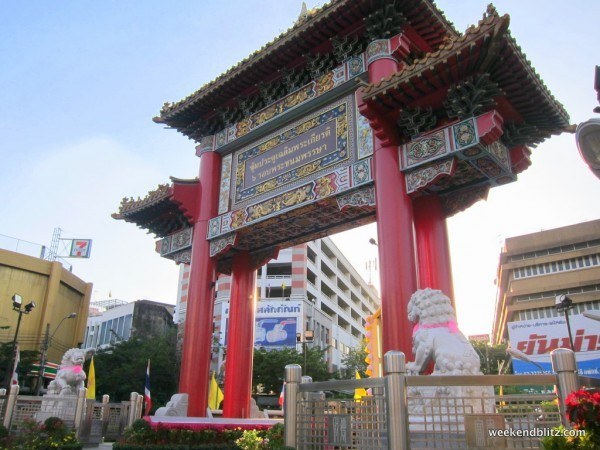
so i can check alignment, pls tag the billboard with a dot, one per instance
(275, 332)
(276, 323)
(537, 338)
(80, 248)
(485, 338)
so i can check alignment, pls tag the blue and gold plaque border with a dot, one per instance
(341, 113)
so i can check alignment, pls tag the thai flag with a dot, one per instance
(282, 395)
(147, 398)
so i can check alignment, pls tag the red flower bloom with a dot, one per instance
(583, 409)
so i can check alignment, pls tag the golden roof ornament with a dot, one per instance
(490, 11)
(305, 13)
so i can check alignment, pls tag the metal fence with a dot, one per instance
(342, 421)
(92, 421)
(425, 412)
(460, 412)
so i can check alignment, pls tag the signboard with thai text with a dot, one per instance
(309, 146)
(537, 338)
(275, 332)
(276, 323)
(306, 148)
(324, 155)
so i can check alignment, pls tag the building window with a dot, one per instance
(555, 250)
(102, 333)
(119, 329)
(557, 266)
(127, 327)
(553, 294)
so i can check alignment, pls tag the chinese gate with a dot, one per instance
(363, 111)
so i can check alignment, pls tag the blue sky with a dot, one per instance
(81, 80)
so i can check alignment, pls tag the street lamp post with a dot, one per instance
(485, 357)
(564, 304)
(516, 354)
(309, 336)
(17, 303)
(44, 351)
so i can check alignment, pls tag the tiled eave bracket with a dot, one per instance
(330, 184)
(310, 221)
(459, 162)
(487, 48)
(335, 200)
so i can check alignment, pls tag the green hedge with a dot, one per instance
(62, 447)
(142, 436)
(118, 446)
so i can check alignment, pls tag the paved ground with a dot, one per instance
(106, 446)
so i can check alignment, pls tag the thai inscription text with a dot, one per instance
(541, 344)
(303, 149)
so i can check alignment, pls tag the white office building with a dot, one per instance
(310, 287)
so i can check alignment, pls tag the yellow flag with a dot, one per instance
(91, 381)
(359, 392)
(215, 394)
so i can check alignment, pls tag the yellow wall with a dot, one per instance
(56, 293)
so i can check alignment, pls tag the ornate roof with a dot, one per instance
(311, 36)
(156, 212)
(485, 49)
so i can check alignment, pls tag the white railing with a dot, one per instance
(17, 410)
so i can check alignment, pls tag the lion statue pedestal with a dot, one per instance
(61, 397)
(176, 407)
(437, 339)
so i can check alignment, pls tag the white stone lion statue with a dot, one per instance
(437, 337)
(70, 376)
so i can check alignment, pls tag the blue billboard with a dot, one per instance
(275, 332)
(586, 367)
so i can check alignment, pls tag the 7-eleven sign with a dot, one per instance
(80, 248)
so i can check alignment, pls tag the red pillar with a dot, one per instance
(394, 231)
(197, 344)
(240, 338)
(433, 251)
